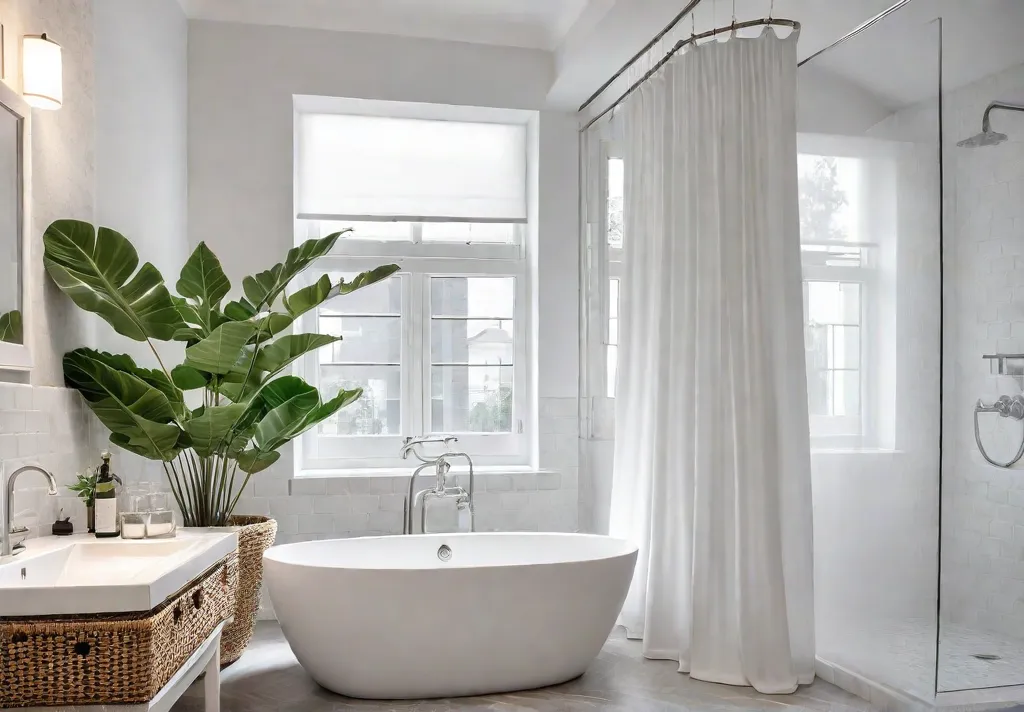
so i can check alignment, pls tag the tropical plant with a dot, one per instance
(236, 356)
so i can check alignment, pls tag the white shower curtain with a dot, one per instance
(712, 461)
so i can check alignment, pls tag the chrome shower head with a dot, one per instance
(988, 137)
(985, 138)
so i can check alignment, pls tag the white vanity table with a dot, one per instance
(81, 574)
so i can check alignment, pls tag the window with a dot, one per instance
(837, 275)
(441, 347)
(614, 240)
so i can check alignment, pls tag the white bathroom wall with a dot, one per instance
(141, 138)
(63, 163)
(983, 506)
(241, 82)
(41, 422)
(114, 153)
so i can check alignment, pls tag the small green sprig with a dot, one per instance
(85, 488)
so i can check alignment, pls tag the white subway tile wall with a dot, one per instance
(48, 427)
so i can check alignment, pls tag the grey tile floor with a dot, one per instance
(268, 678)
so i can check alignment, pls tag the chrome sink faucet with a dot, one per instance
(5, 544)
(440, 490)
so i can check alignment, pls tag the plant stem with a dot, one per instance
(172, 479)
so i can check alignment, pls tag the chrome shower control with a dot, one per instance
(444, 553)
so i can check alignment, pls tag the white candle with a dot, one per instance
(133, 531)
(160, 528)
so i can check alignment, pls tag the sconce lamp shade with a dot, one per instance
(42, 72)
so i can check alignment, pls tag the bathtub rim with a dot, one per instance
(626, 549)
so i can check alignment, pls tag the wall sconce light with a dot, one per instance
(42, 72)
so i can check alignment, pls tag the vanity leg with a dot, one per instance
(212, 680)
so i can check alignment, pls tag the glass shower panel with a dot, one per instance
(982, 587)
(870, 200)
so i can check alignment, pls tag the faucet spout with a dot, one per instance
(5, 536)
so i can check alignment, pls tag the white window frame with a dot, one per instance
(609, 265)
(419, 262)
(845, 430)
(828, 432)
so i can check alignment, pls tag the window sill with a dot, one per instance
(407, 471)
(854, 451)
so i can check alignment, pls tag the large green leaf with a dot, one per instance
(322, 290)
(219, 353)
(210, 431)
(11, 329)
(253, 461)
(154, 377)
(289, 401)
(187, 378)
(274, 357)
(263, 289)
(125, 403)
(202, 278)
(326, 410)
(96, 270)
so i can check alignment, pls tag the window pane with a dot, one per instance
(613, 365)
(472, 348)
(832, 303)
(473, 399)
(502, 233)
(473, 297)
(471, 341)
(613, 301)
(819, 390)
(378, 412)
(616, 193)
(832, 313)
(382, 298)
(375, 340)
(829, 190)
(361, 230)
(845, 393)
(844, 351)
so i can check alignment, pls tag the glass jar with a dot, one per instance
(134, 525)
(161, 518)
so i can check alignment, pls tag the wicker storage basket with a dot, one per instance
(120, 658)
(255, 535)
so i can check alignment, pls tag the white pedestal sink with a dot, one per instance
(81, 574)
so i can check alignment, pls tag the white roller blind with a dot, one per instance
(368, 167)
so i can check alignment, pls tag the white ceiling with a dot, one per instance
(897, 59)
(538, 24)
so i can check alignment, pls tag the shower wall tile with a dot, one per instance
(983, 505)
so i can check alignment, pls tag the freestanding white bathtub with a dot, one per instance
(447, 615)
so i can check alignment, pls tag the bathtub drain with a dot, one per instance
(444, 553)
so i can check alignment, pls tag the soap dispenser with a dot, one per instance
(107, 517)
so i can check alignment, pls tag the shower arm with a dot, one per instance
(985, 123)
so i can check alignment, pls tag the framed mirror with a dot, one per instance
(15, 221)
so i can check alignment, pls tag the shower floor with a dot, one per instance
(901, 655)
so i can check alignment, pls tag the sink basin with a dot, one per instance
(82, 574)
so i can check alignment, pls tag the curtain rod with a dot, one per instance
(622, 70)
(855, 31)
(766, 22)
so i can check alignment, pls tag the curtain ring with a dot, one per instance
(771, 10)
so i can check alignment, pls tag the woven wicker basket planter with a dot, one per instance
(122, 658)
(255, 535)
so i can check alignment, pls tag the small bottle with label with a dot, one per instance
(107, 519)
